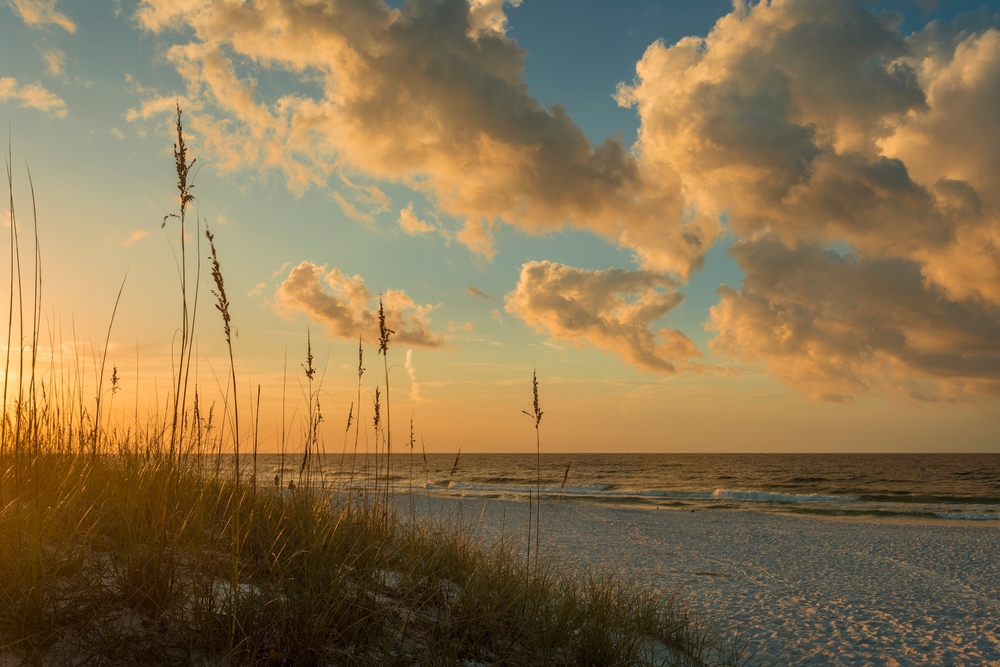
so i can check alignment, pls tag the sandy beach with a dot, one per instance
(809, 591)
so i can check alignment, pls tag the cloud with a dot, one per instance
(32, 96)
(136, 235)
(55, 60)
(41, 12)
(812, 124)
(431, 95)
(487, 16)
(412, 372)
(369, 197)
(452, 327)
(472, 290)
(612, 310)
(257, 290)
(116, 133)
(156, 106)
(837, 327)
(350, 209)
(496, 315)
(410, 224)
(804, 124)
(345, 306)
(815, 119)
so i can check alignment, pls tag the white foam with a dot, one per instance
(525, 488)
(766, 497)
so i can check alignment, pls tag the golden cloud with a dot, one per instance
(811, 123)
(32, 96)
(345, 307)
(41, 12)
(838, 327)
(816, 120)
(431, 95)
(411, 224)
(611, 309)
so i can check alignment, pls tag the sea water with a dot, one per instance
(935, 487)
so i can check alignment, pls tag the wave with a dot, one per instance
(968, 516)
(608, 491)
(930, 499)
(768, 497)
(480, 487)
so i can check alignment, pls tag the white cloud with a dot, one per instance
(257, 290)
(32, 96)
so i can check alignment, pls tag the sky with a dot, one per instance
(708, 227)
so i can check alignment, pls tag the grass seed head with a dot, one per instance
(308, 366)
(537, 413)
(222, 301)
(383, 331)
(182, 165)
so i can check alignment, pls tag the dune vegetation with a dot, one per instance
(156, 544)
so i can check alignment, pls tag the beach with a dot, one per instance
(804, 590)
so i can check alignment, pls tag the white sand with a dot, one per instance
(810, 591)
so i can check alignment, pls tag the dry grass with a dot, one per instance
(127, 559)
(146, 546)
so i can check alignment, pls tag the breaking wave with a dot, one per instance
(767, 497)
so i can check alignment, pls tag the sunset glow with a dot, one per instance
(744, 227)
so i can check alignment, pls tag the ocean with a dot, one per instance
(924, 487)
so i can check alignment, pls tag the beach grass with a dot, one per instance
(154, 544)
(126, 558)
